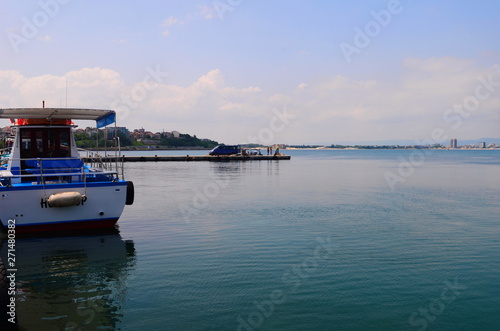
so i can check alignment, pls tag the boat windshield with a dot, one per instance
(44, 142)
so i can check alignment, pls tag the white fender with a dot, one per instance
(65, 199)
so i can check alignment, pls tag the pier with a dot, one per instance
(180, 158)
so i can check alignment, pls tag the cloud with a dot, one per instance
(45, 38)
(329, 110)
(203, 12)
(206, 12)
(122, 41)
(408, 106)
(88, 87)
(167, 23)
(208, 99)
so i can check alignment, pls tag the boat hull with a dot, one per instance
(27, 206)
(67, 226)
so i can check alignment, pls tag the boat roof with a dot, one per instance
(102, 117)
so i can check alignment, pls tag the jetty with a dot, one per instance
(185, 158)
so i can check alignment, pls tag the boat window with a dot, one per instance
(44, 142)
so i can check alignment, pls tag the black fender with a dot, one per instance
(130, 193)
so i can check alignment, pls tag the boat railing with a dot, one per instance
(53, 170)
(106, 162)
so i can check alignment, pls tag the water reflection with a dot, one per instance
(236, 169)
(71, 282)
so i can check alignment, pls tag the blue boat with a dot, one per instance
(226, 150)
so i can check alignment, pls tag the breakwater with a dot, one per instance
(179, 158)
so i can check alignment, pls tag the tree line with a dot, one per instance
(83, 140)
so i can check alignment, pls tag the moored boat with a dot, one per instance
(44, 183)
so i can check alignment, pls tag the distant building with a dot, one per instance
(176, 134)
(91, 131)
(5, 132)
(137, 135)
(122, 129)
(482, 144)
(453, 143)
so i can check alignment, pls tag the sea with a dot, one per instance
(329, 240)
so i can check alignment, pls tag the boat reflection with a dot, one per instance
(71, 282)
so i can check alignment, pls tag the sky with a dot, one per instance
(240, 71)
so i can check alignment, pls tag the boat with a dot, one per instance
(226, 150)
(45, 185)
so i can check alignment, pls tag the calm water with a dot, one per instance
(330, 240)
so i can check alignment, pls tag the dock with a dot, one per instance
(185, 158)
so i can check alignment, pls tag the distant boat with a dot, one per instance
(44, 183)
(226, 150)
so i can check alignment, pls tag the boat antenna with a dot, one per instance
(66, 93)
(43, 103)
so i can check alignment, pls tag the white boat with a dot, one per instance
(44, 183)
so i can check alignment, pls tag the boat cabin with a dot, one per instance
(44, 145)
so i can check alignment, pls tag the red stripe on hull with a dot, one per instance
(66, 226)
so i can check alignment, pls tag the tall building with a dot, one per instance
(453, 143)
(122, 129)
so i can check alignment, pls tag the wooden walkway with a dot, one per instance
(178, 158)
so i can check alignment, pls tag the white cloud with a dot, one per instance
(122, 41)
(169, 21)
(206, 12)
(301, 86)
(331, 110)
(407, 107)
(203, 12)
(88, 87)
(45, 38)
